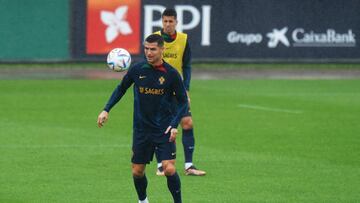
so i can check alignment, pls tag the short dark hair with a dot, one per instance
(155, 38)
(169, 12)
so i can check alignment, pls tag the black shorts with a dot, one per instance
(144, 148)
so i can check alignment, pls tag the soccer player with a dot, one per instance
(155, 122)
(178, 54)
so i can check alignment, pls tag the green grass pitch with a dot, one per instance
(258, 140)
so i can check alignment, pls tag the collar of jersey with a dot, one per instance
(147, 65)
(167, 37)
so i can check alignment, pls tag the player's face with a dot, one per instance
(153, 53)
(169, 24)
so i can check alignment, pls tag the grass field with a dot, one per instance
(199, 65)
(259, 141)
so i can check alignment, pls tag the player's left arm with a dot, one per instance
(186, 69)
(182, 106)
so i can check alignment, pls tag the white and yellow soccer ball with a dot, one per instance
(119, 59)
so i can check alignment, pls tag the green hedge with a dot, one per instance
(36, 29)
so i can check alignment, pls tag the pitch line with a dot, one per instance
(263, 108)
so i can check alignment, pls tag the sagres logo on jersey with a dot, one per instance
(110, 23)
(170, 55)
(152, 91)
(161, 80)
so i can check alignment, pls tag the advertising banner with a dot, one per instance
(112, 23)
(233, 30)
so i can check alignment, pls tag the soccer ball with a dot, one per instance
(118, 59)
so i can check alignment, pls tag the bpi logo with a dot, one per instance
(202, 16)
(112, 24)
(116, 23)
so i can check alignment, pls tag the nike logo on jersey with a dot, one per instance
(142, 76)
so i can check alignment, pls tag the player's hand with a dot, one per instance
(102, 118)
(173, 133)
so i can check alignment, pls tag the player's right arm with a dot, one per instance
(117, 94)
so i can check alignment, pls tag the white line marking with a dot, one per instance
(247, 106)
(13, 146)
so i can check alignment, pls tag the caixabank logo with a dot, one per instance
(111, 24)
(298, 37)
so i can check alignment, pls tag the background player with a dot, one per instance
(178, 54)
(154, 125)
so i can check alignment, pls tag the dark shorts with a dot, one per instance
(144, 148)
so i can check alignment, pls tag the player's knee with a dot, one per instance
(169, 167)
(137, 172)
(187, 123)
(169, 170)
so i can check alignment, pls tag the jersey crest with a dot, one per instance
(161, 80)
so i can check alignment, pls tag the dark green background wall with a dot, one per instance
(34, 30)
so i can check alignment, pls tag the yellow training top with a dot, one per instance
(174, 51)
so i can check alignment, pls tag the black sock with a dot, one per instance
(174, 186)
(188, 143)
(140, 186)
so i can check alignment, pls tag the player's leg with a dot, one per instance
(140, 181)
(188, 141)
(160, 169)
(142, 155)
(173, 179)
(167, 153)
